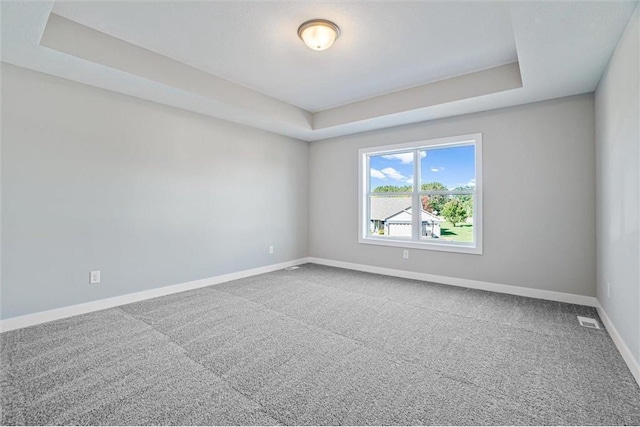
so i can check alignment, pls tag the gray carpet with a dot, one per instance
(319, 346)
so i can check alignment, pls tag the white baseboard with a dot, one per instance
(61, 313)
(74, 310)
(631, 361)
(466, 283)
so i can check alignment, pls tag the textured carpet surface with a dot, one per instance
(319, 345)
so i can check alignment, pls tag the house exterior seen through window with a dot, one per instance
(424, 195)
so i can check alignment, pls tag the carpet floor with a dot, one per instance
(319, 346)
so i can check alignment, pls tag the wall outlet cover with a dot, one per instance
(94, 277)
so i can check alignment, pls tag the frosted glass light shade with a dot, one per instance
(319, 34)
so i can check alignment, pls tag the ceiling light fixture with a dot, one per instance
(318, 34)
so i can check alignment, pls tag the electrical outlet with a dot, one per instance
(405, 254)
(608, 290)
(270, 249)
(94, 277)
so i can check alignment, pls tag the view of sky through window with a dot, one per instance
(451, 166)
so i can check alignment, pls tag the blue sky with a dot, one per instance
(451, 166)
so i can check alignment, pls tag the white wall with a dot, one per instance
(150, 195)
(617, 114)
(538, 167)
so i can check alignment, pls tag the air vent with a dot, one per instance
(588, 322)
(295, 267)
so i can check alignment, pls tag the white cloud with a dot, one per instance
(393, 174)
(437, 168)
(405, 158)
(375, 173)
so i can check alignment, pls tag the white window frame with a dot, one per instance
(415, 242)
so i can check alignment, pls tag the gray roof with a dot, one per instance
(427, 217)
(384, 207)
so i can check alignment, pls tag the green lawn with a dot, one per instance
(460, 233)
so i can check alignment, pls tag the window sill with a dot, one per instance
(411, 244)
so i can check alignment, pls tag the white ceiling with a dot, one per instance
(395, 62)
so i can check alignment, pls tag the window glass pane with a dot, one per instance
(454, 223)
(390, 216)
(391, 172)
(447, 168)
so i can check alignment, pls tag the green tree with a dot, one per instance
(454, 211)
(434, 203)
(467, 199)
(392, 189)
(468, 205)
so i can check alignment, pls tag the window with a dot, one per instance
(441, 179)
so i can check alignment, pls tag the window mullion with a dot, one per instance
(367, 200)
(416, 217)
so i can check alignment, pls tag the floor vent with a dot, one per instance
(588, 322)
(295, 267)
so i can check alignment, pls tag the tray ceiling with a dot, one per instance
(395, 62)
